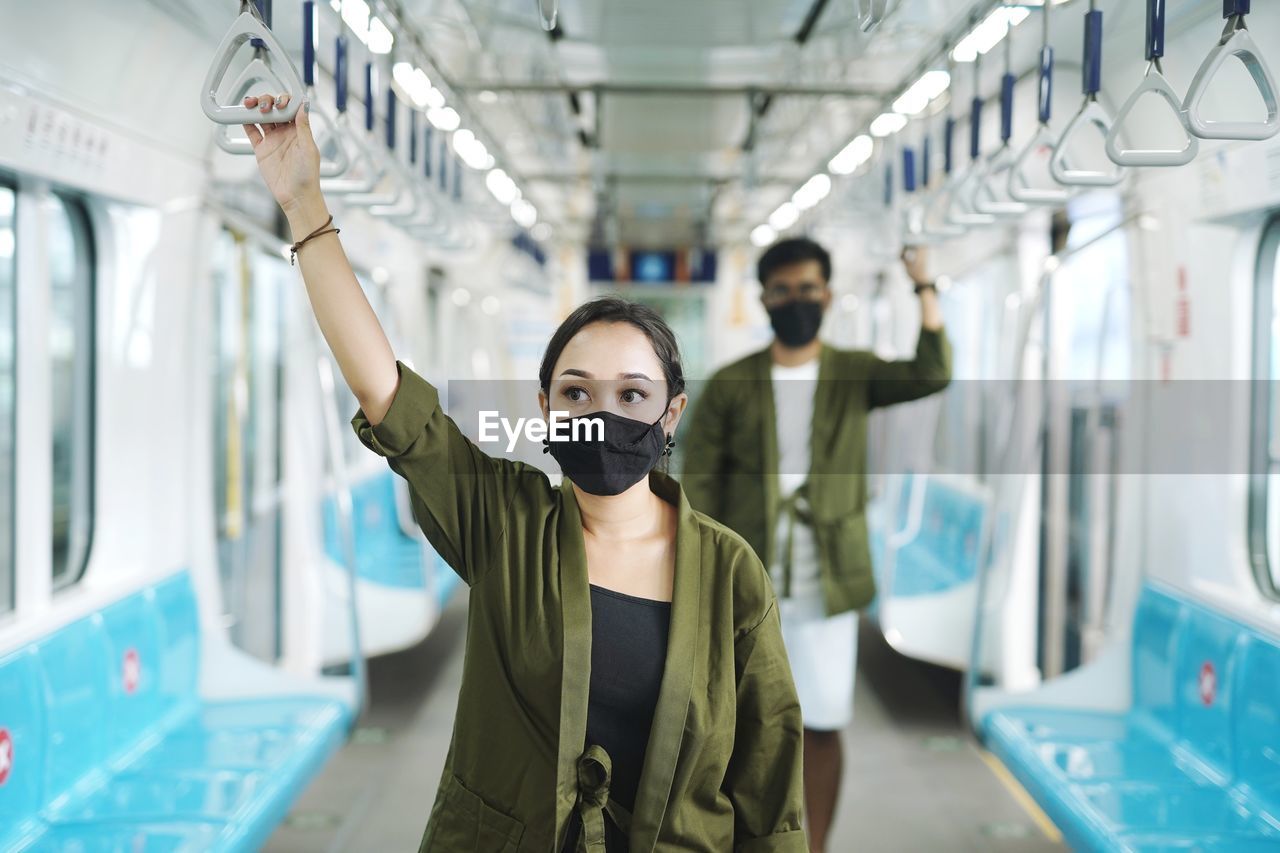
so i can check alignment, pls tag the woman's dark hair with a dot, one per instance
(614, 309)
(784, 253)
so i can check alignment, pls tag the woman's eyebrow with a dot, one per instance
(573, 371)
(634, 376)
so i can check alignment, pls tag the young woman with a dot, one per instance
(625, 686)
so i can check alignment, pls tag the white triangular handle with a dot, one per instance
(364, 173)
(259, 73)
(328, 132)
(1239, 44)
(1153, 83)
(246, 27)
(1092, 113)
(959, 213)
(994, 178)
(1020, 189)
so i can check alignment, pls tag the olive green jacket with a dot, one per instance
(722, 771)
(731, 453)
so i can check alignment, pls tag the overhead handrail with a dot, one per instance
(1236, 42)
(1020, 187)
(935, 223)
(1091, 114)
(960, 213)
(991, 189)
(912, 213)
(402, 201)
(1155, 83)
(327, 133)
(871, 13)
(548, 11)
(366, 171)
(270, 66)
(387, 158)
(424, 220)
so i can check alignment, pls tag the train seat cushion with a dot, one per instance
(1193, 764)
(384, 554)
(944, 554)
(114, 748)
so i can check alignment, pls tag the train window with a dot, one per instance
(71, 352)
(8, 420)
(1264, 479)
(249, 330)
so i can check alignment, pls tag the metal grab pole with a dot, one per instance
(346, 523)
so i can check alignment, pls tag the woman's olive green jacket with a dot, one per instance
(722, 772)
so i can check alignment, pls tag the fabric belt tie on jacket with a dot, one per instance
(595, 770)
(796, 508)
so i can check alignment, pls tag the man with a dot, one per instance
(777, 451)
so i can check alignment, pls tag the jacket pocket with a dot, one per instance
(462, 822)
(845, 556)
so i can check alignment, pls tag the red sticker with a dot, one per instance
(1208, 683)
(131, 671)
(6, 755)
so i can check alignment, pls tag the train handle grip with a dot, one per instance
(269, 54)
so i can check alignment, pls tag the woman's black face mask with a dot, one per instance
(627, 454)
(797, 322)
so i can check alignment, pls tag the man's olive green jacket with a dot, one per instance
(731, 453)
(722, 771)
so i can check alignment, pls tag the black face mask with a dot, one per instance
(626, 456)
(796, 323)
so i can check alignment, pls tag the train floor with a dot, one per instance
(913, 780)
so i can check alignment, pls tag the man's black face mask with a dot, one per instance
(796, 323)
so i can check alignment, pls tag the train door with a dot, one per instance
(248, 364)
(1086, 367)
(1264, 479)
(8, 407)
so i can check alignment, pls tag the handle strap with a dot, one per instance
(949, 145)
(340, 73)
(1155, 29)
(369, 117)
(262, 8)
(1092, 70)
(309, 43)
(908, 169)
(975, 129)
(1007, 84)
(391, 119)
(1045, 96)
(1235, 8)
(413, 137)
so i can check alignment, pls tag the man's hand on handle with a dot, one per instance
(915, 259)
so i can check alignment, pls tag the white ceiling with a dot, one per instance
(666, 167)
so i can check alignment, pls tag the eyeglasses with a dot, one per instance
(779, 293)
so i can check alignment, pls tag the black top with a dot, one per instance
(628, 656)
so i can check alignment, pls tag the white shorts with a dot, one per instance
(823, 652)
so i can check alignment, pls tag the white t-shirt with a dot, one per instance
(794, 389)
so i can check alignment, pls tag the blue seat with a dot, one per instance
(944, 554)
(115, 750)
(1194, 764)
(384, 554)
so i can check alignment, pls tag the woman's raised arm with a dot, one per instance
(290, 165)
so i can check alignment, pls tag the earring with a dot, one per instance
(671, 442)
(546, 445)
